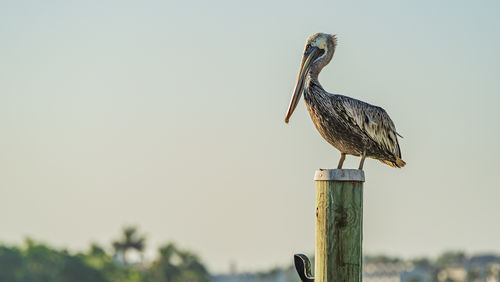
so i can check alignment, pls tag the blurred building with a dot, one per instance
(481, 268)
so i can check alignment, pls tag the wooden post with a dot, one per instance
(339, 225)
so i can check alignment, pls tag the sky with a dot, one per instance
(169, 115)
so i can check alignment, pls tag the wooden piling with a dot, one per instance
(339, 225)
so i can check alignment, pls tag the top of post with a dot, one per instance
(340, 175)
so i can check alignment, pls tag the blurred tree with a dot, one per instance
(164, 269)
(11, 264)
(130, 240)
(450, 258)
(37, 262)
(381, 259)
(188, 276)
(41, 262)
(74, 269)
(423, 263)
(176, 265)
(191, 263)
(99, 259)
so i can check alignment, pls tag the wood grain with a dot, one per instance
(339, 230)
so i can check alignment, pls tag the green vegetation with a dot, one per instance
(124, 262)
(450, 258)
(381, 259)
(130, 240)
(37, 262)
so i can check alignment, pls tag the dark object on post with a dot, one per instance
(303, 267)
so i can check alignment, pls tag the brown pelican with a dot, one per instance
(352, 126)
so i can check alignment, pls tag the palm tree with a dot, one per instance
(191, 262)
(174, 264)
(130, 240)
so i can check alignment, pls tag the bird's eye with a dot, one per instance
(308, 46)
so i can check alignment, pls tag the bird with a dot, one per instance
(352, 126)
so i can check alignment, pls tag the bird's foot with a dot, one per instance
(341, 161)
(362, 162)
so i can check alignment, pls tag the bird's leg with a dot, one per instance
(363, 156)
(341, 161)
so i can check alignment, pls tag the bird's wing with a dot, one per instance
(373, 121)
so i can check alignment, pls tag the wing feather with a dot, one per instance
(373, 121)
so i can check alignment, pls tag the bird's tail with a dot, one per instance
(398, 163)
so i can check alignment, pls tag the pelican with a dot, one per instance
(352, 126)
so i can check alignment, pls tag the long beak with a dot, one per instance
(299, 85)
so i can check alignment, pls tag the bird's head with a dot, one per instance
(317, 53)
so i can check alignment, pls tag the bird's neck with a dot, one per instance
(311, 80)
(314, 93)
(321, 62)
(313, 73)
(313, 89)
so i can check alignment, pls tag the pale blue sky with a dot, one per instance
(169, 115)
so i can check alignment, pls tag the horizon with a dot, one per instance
(134, 257)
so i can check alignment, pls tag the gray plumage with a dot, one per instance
(350, 125)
